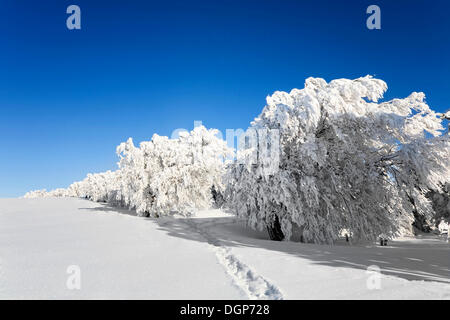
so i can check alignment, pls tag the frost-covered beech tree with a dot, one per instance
(345, 162)
(159, 176)
(44, 194)
(164, 175)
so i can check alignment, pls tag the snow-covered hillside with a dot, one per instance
(210, 256)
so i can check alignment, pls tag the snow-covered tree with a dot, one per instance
(160, 176)
(47, 194)
(165, 175)
(36, 194)
(344, 161)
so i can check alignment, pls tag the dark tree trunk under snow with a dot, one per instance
(275, 232)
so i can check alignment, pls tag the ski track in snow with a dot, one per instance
(254, 285)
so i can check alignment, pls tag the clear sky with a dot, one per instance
(69, 97)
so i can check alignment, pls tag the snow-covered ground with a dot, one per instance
(210, 256)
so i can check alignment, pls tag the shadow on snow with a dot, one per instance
(425, 259)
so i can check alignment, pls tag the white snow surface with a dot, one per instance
(208, 256)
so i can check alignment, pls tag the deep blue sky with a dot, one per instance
(68, 98)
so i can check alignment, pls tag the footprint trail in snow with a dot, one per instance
(246, 279)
